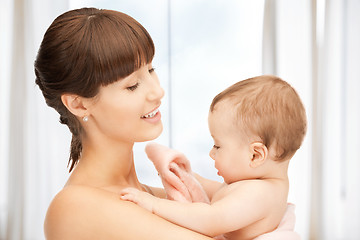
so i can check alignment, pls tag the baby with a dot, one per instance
(257, 126)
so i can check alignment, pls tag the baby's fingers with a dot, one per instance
(128, 197)
(143, 199)
(129, 190)
(129, 194)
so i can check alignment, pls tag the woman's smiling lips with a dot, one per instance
(153, 116)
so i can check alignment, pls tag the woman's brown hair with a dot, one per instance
(84, 49)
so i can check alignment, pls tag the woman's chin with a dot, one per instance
(153, 134)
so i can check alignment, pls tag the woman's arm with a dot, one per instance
(79, 212)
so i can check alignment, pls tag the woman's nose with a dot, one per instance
(156, 92)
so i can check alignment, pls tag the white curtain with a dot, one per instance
(339, 132)
(30, 151)
(313, 44)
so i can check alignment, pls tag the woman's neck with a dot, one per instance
(105, 165)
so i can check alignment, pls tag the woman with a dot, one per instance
(94, 68)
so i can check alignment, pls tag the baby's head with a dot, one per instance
(266, 110)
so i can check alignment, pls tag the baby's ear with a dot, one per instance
(75, 104)
(259, 154)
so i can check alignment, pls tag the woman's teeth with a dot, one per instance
(152, 114)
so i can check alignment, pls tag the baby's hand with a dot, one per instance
(143, 199)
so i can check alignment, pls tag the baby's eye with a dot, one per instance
(151, 70)
(133, 87)
(216, 147)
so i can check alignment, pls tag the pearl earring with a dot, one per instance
(85, 118)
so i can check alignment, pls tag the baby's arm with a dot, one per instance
(238, 208)
(177, 212)
(209, 186)
(106, 218)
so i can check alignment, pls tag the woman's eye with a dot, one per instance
(216, 147)
(151, 70)
(133, 87)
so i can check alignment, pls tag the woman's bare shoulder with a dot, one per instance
(75, 210)
(80, 212)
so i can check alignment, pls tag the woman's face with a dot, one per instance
(128, 110)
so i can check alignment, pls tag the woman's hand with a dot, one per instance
(143, 199)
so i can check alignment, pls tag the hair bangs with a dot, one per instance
(132, 46)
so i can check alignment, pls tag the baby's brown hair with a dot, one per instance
(268, 107)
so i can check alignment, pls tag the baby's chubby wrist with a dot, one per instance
(155, 204)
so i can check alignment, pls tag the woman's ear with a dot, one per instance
(259, 154)
(75, 104)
